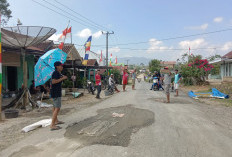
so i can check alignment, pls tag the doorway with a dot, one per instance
(12, 78)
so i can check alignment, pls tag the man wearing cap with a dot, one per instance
(56, 82)
(167, 82)
(98, 83)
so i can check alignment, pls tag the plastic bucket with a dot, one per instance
(63, 92)
(11, 113)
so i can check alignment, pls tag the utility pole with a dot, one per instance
(107, 35)
(127, 62)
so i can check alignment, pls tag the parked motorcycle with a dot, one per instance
(111, 89)
(90, 87)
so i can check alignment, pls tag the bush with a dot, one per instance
(195, 72)
(117, 75)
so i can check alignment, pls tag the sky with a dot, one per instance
(139, 26)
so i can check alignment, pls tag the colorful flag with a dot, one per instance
(0, 63)
(87, 49)
(111, 59)
(116, 60)
(65, 34)
(100, 58)
(0, 69)
(61, 46)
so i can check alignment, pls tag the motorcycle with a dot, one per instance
(90, 87)
(111, 89)
(155, 85)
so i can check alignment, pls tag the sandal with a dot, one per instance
(56, 128)
(60, 122)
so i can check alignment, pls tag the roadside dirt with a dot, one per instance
(10, 129)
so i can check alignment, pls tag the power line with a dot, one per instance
(70, 14)
(173, 38)
(63, 14)
(80, 15)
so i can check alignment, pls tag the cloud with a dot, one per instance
(97, 34)
(114, 49)
(193, 44)
(156, 45)
(85, 33)
(201, 27)
(227, 46)
(218, 19)
(54, 37)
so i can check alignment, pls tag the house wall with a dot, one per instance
(30, 67)
(4, 77)
(226, 70)
(30, 62)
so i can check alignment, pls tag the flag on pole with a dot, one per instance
(87, 49)
(111, 59)
(0, 61)
(66, 33)
(0, 70)
(100, 57)
(116, 60)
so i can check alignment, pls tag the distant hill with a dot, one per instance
(134, 60)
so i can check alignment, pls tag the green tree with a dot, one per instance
(211, 58)
(5, 11)
(154, 65)
(117, 75)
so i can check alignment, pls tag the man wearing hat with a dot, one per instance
(56, 82)
(167, 82)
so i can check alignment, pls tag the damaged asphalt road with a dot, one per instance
(108, 130)
(143, 126)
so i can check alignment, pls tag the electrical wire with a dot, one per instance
(71, 14)
(80, 15)
(173, 38)
(64, 15)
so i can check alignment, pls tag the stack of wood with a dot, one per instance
(18, 101)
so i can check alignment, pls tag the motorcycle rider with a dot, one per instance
(156, 74)
(112, 83)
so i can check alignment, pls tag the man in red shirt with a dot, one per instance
(98, 83)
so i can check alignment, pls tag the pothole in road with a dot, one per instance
(108, 130)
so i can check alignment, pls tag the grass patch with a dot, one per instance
(225, 102)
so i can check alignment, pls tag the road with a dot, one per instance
(146, 127)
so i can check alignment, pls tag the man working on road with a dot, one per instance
(98, 84)
(167, 82)
(133, 79)
(56, 82)
(124, 79)
(176, 81)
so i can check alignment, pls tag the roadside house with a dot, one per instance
(169, 64)
(225, 67)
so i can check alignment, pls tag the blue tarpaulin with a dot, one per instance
(214, 94)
